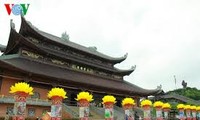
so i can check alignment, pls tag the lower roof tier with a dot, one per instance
(71, 78)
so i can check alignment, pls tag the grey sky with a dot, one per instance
(161, 37)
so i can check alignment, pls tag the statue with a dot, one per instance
(65, 36)
(12, 25)
(184, 84)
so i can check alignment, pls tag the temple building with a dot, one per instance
(45, 61)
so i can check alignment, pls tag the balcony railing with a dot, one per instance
(30, 101)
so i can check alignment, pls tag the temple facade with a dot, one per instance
(45, 61)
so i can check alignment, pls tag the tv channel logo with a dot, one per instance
(17, 9)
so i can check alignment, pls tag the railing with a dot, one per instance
(6, 99)
(118, 113)
(70, 111)
(97, 110)
(30, 101)
(118, 109)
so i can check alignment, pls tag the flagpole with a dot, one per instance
(175, 81)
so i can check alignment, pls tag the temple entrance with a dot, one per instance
(73, 102)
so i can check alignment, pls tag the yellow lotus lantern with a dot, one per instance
(187, 107)
(57, 92)
(166, 106)
(56, 95)
(188, 111)
(158, 104)
(128, 104)
(180, 106)
(109, 99)
(21, 90)
(84, 96)
(146, 103)
(21, 87)
(128, 101)
(193, 108)
(198, 108)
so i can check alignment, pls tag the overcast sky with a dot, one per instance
(162, 38)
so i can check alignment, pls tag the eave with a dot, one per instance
(18, 40)
(66, 77)
(26, 28)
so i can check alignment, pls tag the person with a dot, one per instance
(7, 116)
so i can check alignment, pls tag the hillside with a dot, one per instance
(192, 93)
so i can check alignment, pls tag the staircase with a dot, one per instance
(96, 113)
(72, 112)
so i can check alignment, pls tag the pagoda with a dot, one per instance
(45, 61)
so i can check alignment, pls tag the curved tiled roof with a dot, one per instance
(16, 38)
(180, 98)
(18, 63)
(28, 26)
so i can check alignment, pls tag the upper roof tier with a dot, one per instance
(27, 28)
(17, 42)
(24, 57)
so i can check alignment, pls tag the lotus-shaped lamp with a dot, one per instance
(146, 102)
(198, 108)
(84, 96)
(193, 107)
(21, 87)
(158, 104)
(166, 106)
(128, 101)
(57, 92)
(180, 106)
(187, 107)
(109, 99)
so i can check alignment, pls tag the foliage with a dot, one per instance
(192, 93)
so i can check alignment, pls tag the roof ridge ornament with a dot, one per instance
(12, 24)
(65, 36)
(126, 55)
(133, 67)
(92, 48)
